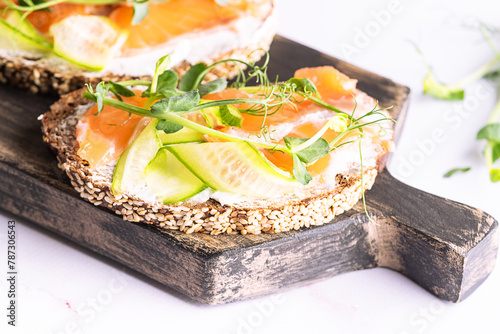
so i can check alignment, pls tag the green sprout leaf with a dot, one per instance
(212, 87)
(495, 174)
(440, 91)
(120, 90)
(299, 170)
(310, 154)
(303, 85)
(101, 91)
(180, 103)
(194, 75)
(161, 66)
(495, 151)
(167, 82)
(168, 126)
(490, 132)
(456, 170)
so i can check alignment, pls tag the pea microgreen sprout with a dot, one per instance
(456, 170)
(435, 88)
(490, 132)
(456, 91)
(169, 99)
(363, 185)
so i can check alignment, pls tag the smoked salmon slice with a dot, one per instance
(167, 20)
(103, 138)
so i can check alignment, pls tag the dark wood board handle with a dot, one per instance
(446, 247)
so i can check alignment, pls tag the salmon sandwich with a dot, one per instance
(204, 157)
(59, 45)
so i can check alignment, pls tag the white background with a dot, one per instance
(64, 288)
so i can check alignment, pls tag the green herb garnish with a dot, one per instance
(168, 126)
(212, 87)
(299, 170)
(491, 131)
(456, 91)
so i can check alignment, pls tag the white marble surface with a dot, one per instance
(64, 288)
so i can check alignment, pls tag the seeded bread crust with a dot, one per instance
(31, 72)
(59, 126)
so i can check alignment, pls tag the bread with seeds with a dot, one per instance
(219, 174)
(60, 50)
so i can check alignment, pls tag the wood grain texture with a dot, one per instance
(446, 247)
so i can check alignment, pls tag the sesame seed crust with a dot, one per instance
(211, 217)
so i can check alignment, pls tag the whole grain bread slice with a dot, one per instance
(32, 73)
(313, 208)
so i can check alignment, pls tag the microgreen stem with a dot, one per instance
(354, 125)
(221, 135)
(339, 137)
(322, 131)
(120, 105)
(488, 155)
(149, 102)
(483, 70)
(494, 118)
(495, 115)
(134, 83)
(487, 37)
(321, 103)
(311, 140)
(363, 186)
(203, 74)
(230, 101)
(477, 74)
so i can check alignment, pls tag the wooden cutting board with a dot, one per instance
(447, 248)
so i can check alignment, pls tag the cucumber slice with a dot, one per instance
(170, 180)
(18, 33)
(89, 41)
(185, 135)
(236, 168)
(129, 171)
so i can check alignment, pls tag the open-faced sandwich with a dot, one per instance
(207, 158)
(57, 46)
